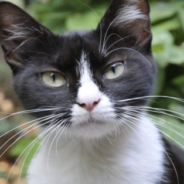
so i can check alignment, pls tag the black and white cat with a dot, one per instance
(90, 88)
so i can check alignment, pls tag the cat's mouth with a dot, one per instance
(91, 121)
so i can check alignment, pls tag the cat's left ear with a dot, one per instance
(128, 19)
(20, 35)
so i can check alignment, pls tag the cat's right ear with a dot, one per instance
(20, 35)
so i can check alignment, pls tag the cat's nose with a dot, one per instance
(89, 105)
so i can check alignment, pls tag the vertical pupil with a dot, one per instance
(53, 77)
(113, 69)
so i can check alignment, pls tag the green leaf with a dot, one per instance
(171, 24)
(176, 54)
(179, 82)
(54, 15)
(161, 58)
(181, 17)
(177, 108)
(160, 11)
(21, 145)
(160, 81)
(82, 21)
(164, 50)
(161, 37)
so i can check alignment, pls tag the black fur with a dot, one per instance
(175, 170)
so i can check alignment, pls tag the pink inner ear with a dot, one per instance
(144, 7)
(144, 25)
(144, 31)
(13, 59)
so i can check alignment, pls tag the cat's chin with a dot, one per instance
(92, 128)
(91, 122)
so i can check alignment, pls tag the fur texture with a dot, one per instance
(95, 130)
(124, 157)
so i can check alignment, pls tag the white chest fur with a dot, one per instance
(128, 157)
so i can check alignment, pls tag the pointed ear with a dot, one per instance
(19, 33)
(128, 19)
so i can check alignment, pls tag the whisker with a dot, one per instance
(158, 109)
(103, 46)
(57, 141)
(22, 125)
(22, 132)
(26, 112)
(163, 150)
(55, 121)
(126, 124)
(152, 116)
(155, 110)
(153, 96)
(20, 138)
(118, 40)
(158, 130)
(60, 132)
(126, 48)
(34, 141)
(51, 144)
(110, 36)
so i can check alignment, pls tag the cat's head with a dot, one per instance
(89, 77)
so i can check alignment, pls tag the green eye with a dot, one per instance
(53, 79)
(114, 71)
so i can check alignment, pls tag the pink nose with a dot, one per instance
(89, 105)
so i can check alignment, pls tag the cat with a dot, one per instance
(88, 90)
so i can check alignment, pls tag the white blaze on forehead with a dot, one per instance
(129, 13)
(88, 90)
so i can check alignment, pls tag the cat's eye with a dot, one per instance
(53, 79)
(114, 71)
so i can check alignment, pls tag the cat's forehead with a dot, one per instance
(76, 44)
(77, 41)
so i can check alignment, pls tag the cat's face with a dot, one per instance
(87, 76)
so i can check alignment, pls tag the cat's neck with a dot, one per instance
(130, 153)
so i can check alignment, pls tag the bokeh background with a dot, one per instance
(167, 18)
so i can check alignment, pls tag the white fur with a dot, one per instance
(129, 157)
(88, 90)
(128, 14)
(103, 112)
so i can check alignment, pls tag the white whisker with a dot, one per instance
(27, 112)
(19, 139)
(23, 153)
(153, 96)
(126, 48)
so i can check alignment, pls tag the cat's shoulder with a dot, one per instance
(175, 168)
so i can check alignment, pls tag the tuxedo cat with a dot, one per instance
(90, 89)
